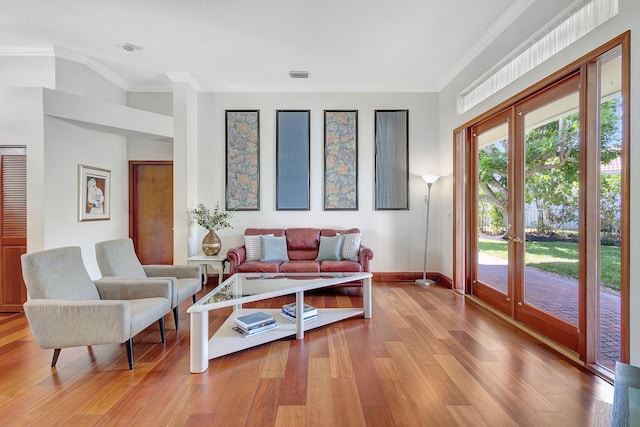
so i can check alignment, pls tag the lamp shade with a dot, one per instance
(430, 179)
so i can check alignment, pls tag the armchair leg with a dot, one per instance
(129, 345)
(56, 353)
(194, 298)
(161, 324)
(175, 316)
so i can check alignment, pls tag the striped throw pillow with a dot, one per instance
(253, 247)
(350, 246)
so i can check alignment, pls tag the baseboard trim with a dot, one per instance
(404, 276)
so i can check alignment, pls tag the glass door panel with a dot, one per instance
(610, 126)
(491, 141)
(547, 287)
(551, 187)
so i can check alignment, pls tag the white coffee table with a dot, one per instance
(249, 287)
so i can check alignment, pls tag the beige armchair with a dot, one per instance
(67, 309)
(117, 258)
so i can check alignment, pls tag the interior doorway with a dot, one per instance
(13, 227)
(151, 210)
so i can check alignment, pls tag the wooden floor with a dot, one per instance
(426, 358)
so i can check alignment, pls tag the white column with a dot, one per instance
(185, 164)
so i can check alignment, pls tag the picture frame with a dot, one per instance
(94, 193)
(242, 149)
(293, 159)
(341, 160)
(392, 159)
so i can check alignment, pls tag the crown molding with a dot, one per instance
(26, 51)
(91, 62)
(185, 78)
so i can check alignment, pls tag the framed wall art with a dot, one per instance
(94, 200)
(392, 159)
(340, 160)
(242, 160)
(293, 140)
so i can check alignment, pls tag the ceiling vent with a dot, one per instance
(299, 74)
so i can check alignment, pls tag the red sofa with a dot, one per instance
(303, 246)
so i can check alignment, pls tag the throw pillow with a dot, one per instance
(330, 248)
(253, 247)
(274, 248)
(350, 246)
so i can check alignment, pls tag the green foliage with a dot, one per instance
(218, 220)
(551, 168)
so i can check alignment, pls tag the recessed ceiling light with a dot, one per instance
(299, 74)
(128, 47)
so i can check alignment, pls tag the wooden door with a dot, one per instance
(13, 228)
(151, 210)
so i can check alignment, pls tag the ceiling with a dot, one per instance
(251, 45)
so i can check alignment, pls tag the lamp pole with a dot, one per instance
(429, 179)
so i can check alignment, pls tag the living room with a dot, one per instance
(67, 110)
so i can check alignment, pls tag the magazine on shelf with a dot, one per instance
(245, 333)
(309, 310)
(254, 319)
(293, 319)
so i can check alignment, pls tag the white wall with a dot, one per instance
(27, 71)
(396, 237)
(628, 18)
(88, 124)
(88, 147)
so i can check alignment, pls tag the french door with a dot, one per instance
(527, 160)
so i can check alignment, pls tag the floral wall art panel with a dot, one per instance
(340, 160)
(243, 160)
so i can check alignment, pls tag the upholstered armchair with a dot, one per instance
(117, 258)
(68, 309)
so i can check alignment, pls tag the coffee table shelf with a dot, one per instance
(226, 341)
(244, 288)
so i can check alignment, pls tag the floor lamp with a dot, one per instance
(429, 179)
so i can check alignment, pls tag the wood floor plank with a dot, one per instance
(339, 353)
(428, 357)
(290, 416)
(320, 410)
(481, 400)
(465, 415)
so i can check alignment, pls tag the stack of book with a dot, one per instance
(289, 312)
(254, 323)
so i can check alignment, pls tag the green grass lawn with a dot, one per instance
(560, 258)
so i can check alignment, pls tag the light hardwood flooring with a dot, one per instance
(426, 358)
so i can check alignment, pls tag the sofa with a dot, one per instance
(300, 250)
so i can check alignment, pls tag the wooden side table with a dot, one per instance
(216, 262)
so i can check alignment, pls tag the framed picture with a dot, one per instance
(243, 160)
(392, 159)
(293, 161)
(340, 160)
(94, 200)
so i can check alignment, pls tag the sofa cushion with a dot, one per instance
(300, 267)
(302, 243)
(340, 266)
(274, 248)
(259, 267)
(253, 247)
(330, 248)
